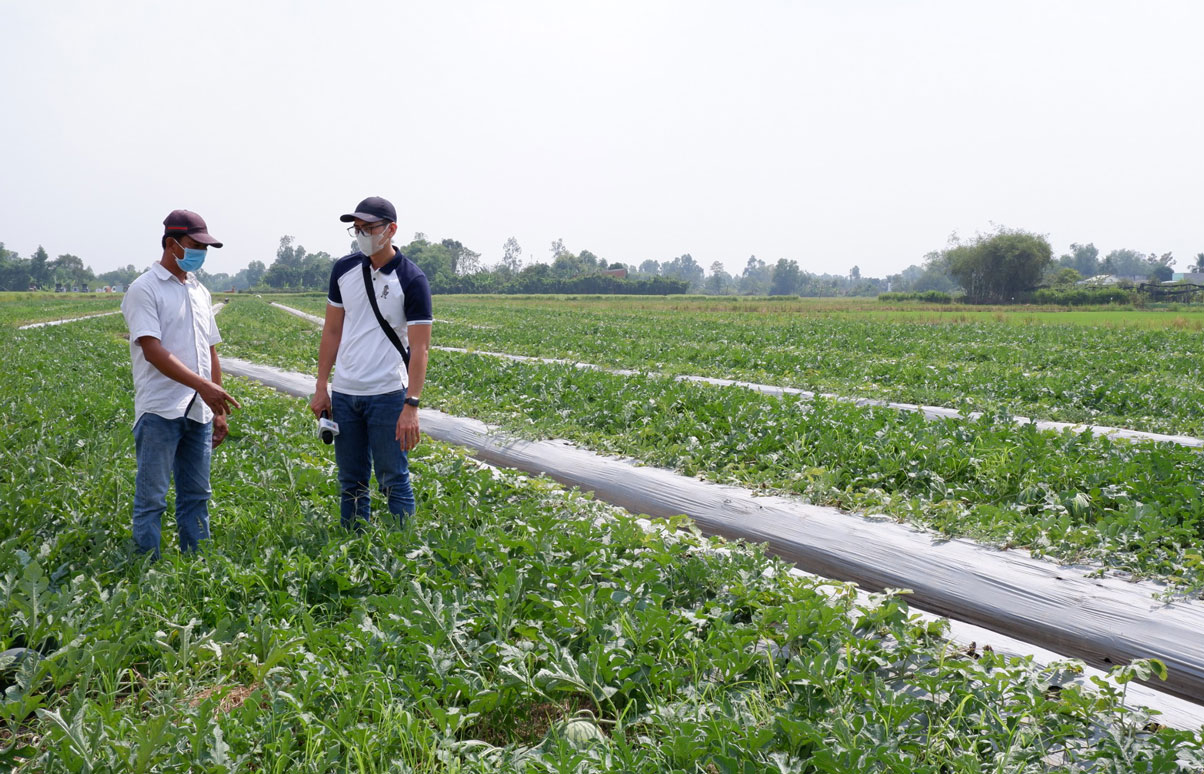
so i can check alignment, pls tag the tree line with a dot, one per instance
(1015, 265)
(999, 267)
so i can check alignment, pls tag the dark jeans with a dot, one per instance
(165, 447)
(367, 435)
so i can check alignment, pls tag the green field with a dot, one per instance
(1075, 497)
(1137, 370)
(470, 641)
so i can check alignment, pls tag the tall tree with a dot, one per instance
(464, 261)
(39, 268)
(1082, 258)
(718, 282)
(785, 279)
(512, 255)
(1126, 263)
(754, 281)
(1000, 266)
(686, 268)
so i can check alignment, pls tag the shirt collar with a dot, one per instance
(389, 267)
(162, 273)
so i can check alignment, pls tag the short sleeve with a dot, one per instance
(334, 296)
(418, 301)
(140, 312)
(215, 335)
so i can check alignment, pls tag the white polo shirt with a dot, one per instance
(180, 315)
(367, 363)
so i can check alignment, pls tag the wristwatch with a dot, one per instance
(412, 402)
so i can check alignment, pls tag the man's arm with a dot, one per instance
(332, 334)
(221, 428)
(407, 423)
(173, 368)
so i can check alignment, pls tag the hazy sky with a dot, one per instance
(858, 132)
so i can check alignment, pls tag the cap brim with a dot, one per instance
(205, 239)
(361, 216)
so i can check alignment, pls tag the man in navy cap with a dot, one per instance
(180, 407)
(377, 335)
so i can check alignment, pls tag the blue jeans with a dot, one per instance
(367, 435)
(165, 447)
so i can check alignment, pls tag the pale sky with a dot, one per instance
(838, 133)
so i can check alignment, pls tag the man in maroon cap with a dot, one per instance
(180, 407)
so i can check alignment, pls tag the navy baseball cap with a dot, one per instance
(371, 210)
(187, 223)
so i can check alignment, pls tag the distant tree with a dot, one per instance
(754, 280)
(684, 267)
(1082, 258)
(855, 273)
(1160, 267)
(314, 272)
(785, 279)
(719, 282)
(651, 268)
(1126, 263)
(39, 268)
(123, 276)
(1064, 276)
(285, 271)
(464, 261)
(933, 274)
(436, 262)
(512, 255)
(252, 275)
(558, 249)
(14, 270)
(1199, 264)
(70, 270)
(566, 265)
(590, 262)
(1000, 266)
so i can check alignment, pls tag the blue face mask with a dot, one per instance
(192, 260)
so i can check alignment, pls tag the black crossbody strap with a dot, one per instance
(380, 318)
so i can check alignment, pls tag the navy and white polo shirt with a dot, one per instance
(367, 363)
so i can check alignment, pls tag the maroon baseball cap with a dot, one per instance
(187, 223)
(371, 210)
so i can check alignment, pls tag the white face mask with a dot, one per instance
(369, 244)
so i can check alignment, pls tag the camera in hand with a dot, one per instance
(327, 428)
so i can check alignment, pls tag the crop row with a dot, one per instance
(24, 308)
(465, 642)
(1141, 378)
(1137, 508)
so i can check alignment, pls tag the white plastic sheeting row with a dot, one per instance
(60, 322)
(1102, 621)
(931, 412)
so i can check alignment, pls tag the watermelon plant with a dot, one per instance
(1117, 374)
(480, 639)
(1135, 507)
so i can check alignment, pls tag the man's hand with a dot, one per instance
(320, 402)
(221, 429)
(217, 399)
(407, 428)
